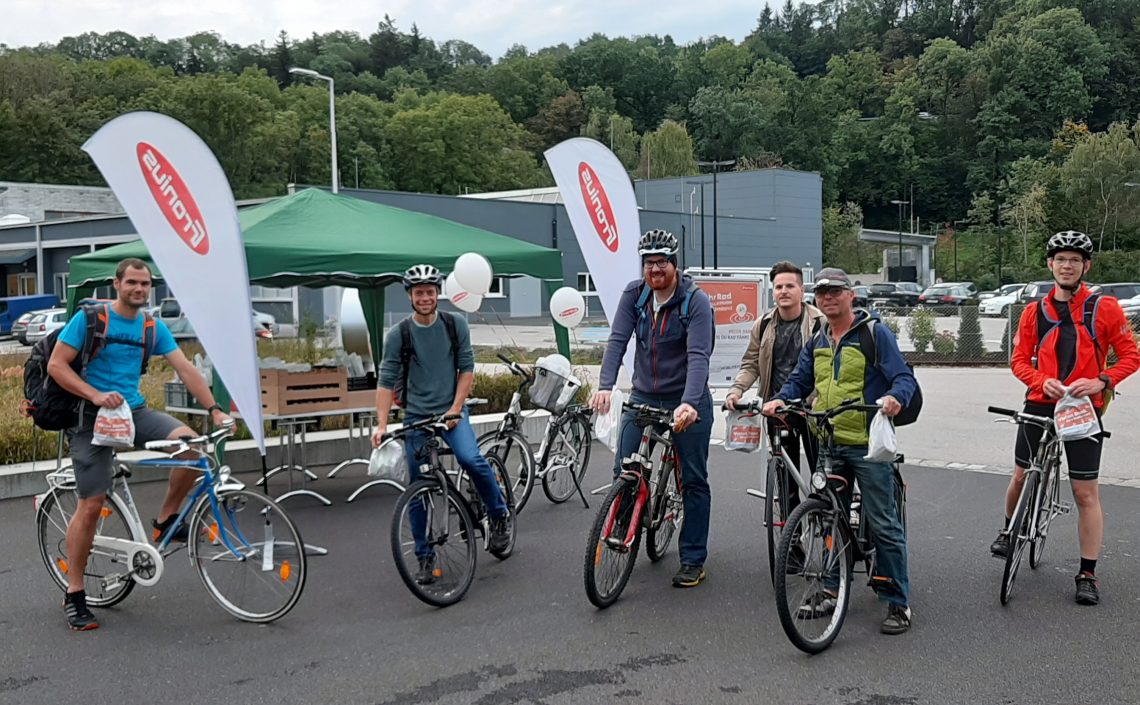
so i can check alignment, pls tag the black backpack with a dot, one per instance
(408, 354)
(870, 350)
(50, 406)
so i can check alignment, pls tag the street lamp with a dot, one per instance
(900, 204)
(716, 165)
(332, 114)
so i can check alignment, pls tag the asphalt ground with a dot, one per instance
(525, 633)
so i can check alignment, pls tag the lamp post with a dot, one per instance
(716, 165)
(900, 204)
(332, 115)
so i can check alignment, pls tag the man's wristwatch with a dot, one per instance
(215, 406)
(1103, 377)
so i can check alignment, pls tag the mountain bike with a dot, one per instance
(822, 540)
(1039, 502)
(562, 457)
(615, 537)
(439, 517)
(244, 547)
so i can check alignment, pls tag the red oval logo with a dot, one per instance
(460, 296)
(173, 198)
(598, 205)
(568, 312)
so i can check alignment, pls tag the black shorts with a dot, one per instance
(1083, 456)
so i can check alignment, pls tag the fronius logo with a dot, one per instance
(598, 205)
(173, 198)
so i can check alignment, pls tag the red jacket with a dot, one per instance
(1112, 330)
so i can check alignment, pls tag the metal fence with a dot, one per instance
(953, 335)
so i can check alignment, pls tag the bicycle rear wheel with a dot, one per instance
(813, 575)
(1049, 500)
(1020, 528)
(668, 512)
(775, 510)
(504, 480)
(249, 555)
(447, 543)
(52, 518)
(609, 554)
(514, 450)
(568, 458)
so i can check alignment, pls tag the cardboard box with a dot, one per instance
(285, 392)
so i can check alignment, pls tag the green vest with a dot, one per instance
(839, 375)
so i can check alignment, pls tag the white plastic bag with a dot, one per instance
(882, 446)
(389, 462)
(743, 431)
(114, 427)
(1075, 418)
(607, 427)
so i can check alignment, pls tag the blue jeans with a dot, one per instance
(693, 453)
(461, 440)
(877, 485)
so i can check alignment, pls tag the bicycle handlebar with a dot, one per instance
(226, 429)
(434, 422)
(516, 369)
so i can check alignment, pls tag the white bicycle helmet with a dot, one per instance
(658, 242)
(422, 274)
(1072, 241)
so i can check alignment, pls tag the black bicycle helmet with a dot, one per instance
(422, 274)
(1071, 241)
(658, 242)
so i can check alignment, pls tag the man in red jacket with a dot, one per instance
(1062, 344)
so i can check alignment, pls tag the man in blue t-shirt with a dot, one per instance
(112, 378)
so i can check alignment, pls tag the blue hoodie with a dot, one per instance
(669, 361)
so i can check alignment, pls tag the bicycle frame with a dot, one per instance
(634, 467)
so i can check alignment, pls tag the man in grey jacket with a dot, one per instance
(673, 322)
(773, 350)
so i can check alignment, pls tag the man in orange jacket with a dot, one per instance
(1061, 345)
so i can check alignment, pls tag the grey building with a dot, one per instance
(763, 216)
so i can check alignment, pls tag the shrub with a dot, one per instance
(970, 343)
(891, 323)
(920, 328)
(945, 343)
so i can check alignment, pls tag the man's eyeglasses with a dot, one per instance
(659, 265)
(829, 291)
(1069, 261)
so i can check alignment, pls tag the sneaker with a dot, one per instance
(160, 528)
(689, 576)
(1088, 589)
(897, 620)
(820, 604)
(79, 618)
(426, 574)
(1000, 547)
(500, 534)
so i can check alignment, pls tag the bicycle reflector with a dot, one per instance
(819, 480)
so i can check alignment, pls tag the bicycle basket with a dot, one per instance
(554, 387)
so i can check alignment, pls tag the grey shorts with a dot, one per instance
(93, 464)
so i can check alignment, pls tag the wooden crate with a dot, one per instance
(285, 392)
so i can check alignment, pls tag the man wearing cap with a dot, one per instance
(673, 321)
(854, 356)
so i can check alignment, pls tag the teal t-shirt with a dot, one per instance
(432, 377)
(117, 367)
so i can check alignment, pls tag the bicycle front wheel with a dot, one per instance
(813, 575)
(1020, 530)
(568, 459)
(610, 549)
(103, 578)
(514, 450)
(504, 480)
(668, 512)
(249, 555)
(1048, 502)
(434, 543)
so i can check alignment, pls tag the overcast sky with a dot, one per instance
(491, 25)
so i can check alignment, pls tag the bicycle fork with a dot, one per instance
(623, 544)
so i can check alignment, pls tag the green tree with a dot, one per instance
(667, 151)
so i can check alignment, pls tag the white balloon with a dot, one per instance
(460, 298)
(567, 306)
(473, 273)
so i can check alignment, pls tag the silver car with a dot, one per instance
(44, 322)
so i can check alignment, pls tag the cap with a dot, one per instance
(832, 277)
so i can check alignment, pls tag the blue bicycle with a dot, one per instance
(243, 545)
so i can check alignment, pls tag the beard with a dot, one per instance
(659, 281)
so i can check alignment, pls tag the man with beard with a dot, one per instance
(673, 322)
(114, 368)
(435, 378)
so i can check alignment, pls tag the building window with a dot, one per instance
(61, 285)
(498, 286)
(586, 284)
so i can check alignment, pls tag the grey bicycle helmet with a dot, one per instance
(1072, 241)
(422, 274)
(658, 242)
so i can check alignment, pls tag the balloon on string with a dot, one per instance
(567, 307)
(473, 273)
(461, 298)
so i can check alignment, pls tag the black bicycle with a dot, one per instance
(439, 517)
(821, 542)
(562, 458)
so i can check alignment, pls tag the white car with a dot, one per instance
(44, 322)
(999, 305)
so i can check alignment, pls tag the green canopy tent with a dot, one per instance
(316, 239)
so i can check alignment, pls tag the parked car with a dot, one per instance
(1122, 291)
(999, 305)
(894, 294)
(44, 323)
(170, 312)
(948, 295)
(12, 307)
(862, 296)
(809, 294)
(182, 330)
(20, 327)
(1035, 291)
(1001, 291)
